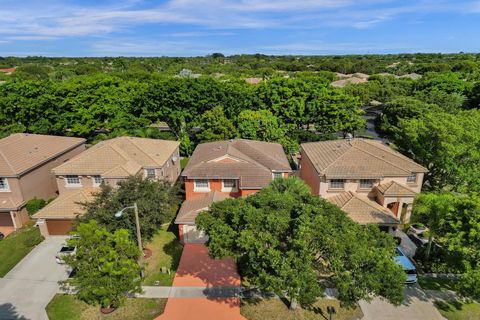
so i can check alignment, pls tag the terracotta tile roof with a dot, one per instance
(11, 203)
(119, 157)
(191, 208)
(393, 188)
(358, 159)
(250, 161)
(68, 205)
(363, 210)
(21, 152)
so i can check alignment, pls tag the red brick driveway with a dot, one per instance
(197, 269)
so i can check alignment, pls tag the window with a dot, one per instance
(97, 180)
(229, 185)
(201, 185)
(337, 183)
(277, 175)
(366, 183)
(72, 180)
(412, 178)
(4, 184)
(150, 173)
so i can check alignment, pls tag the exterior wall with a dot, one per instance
(172, 169)
(215, 185)
(309, 174)
(247, 192)
(21, 217)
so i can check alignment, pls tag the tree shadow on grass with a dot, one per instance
(448, 306)
(8, 312)
(174, 249)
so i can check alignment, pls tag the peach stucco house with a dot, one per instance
(26, 163)
(222, 169)
(367, 179)
(107, 162)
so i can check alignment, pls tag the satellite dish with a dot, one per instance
(174, 158)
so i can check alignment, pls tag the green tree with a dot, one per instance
(34, 205)
(106, 265)
(214, 125)
(288, 241)
(157, 203)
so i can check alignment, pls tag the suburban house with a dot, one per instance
(26, 163)
(223, 169)
(370, 181)
(107, 162)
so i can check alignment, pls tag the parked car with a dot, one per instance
(2, 236)
(64, 251)
(419, 234)
(407, 265)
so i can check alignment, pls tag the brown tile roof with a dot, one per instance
(251, 161)
(393, 188)
(68, 205)
(21, 152)
(358, 159)
(11, 203)
(119, 157)
(191, 208)
(363, 210)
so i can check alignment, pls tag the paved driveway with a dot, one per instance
(26, 290)
(416, 306)
(197, 269)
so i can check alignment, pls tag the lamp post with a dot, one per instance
(119, 214)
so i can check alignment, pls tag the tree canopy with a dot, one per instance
(292, 243)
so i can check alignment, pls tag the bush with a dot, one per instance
(34, 205)
(32, 239)
(440, 261)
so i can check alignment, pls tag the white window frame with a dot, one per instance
(201, 188)
(233, 188)
(330, 184)
(154, 173)
(370, 181)
(275, 173)
(5, 183)
(95, 183)
(72, 176)
(414, 175)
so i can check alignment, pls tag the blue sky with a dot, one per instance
(200, 27)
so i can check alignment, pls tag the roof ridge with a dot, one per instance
(369, 203)
(82, 155)
(8, 163)
(261, 151)
(398, 184)
(380, 158)
(133, 140)
(249, 159)
(393, 152)
(335, 160)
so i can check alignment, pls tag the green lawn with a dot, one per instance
(166, 252)
(276, 309)
(440, 284)
(183, 162)
(67, 307)
(456, 310)
(16, 246)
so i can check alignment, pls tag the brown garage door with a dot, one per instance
(6, 219)
(59, 227)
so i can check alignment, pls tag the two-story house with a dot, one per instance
(369, 180)
(26, 163)
(107, 162)
(222, 169)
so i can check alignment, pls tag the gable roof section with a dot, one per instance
(393, 188)
(67, 206)
(191, 208)
(363, 210)
(358, 158)
(22, 152)
(119, 157)
(256, 161)
(11, 203)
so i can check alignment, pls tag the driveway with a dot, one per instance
(416, 306)
(197, 269)
(27, 289)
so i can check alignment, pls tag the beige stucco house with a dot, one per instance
(26, 163)
(107, 162)
(369, 180)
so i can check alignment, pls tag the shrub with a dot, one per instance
(34, 205)
(32, 239)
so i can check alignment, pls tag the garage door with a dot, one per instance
(59, 227)
(6, 219)
(192, 235)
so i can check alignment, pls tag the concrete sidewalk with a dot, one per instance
(190, 292)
